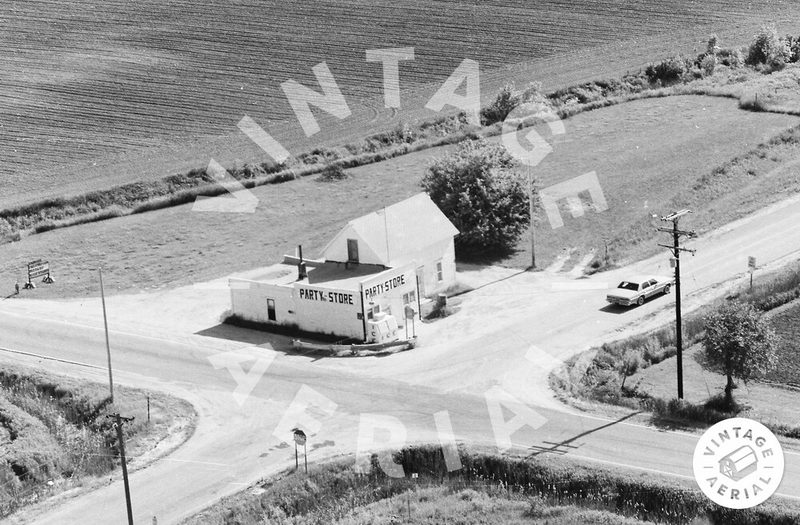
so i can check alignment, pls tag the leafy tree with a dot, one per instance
(629, 364)
(669, 71)
(508, 99)
(740, 343)
(769, 49)
(479, 190)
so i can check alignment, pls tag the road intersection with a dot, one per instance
(497, 351)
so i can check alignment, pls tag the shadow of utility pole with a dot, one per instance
(563, 447)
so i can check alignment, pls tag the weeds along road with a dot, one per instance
(507, 337)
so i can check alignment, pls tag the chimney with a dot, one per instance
(301, 266)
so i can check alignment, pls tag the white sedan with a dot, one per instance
(637, 289)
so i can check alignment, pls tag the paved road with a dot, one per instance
(532, 323)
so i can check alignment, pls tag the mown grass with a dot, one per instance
(335, 492)
(55, 435)
(787, 325)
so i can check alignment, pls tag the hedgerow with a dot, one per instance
(332, 490)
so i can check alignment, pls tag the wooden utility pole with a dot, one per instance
(531, 212)
(676, 250)
(121, 445)
(118, 419)
(105, 325)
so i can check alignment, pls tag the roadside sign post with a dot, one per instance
(300, 439)
(410, 314)
(751, 265)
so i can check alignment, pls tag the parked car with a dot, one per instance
(637, 289)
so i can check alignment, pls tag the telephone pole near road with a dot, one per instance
(118, 421)
(676, 254)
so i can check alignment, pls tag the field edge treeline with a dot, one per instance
(672, 76)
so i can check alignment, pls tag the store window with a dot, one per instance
(410, 297)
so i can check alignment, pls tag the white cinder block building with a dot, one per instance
(379, 265)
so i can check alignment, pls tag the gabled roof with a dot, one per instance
(400, 229)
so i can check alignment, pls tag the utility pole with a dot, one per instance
(121, 442)
(531, 213)
(105, 325)
(117, 417)
(676, 250)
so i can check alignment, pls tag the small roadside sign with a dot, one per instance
(751, 263)
(299, 437)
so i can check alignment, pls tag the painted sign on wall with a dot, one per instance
(325, 296)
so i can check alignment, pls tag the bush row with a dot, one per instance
(331, 490)
(183, 188)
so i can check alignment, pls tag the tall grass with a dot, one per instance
(57, 434)
(331, 491)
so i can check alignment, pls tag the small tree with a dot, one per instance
(768, 49)
(508, 99)
(478, 189)
(740, 343)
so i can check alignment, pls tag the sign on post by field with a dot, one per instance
(751, 265)
(36, 269)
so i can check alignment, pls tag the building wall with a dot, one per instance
(337, 251)
(425, 260)
(329, 311)
(310, 308)
(387, 289)
(249, 301)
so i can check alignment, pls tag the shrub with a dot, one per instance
(708, 64)
(732, 58)
(333, 173)
(794, 47)
(768, 49)
(669, 71)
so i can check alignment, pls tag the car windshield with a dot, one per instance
(627, 285)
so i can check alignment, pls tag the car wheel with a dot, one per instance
(640, 301)
(666, 289)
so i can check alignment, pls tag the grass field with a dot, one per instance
(433, 506)
(659, 143)
(101, 94)
(786, 322)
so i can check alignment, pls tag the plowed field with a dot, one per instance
(98, 93)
